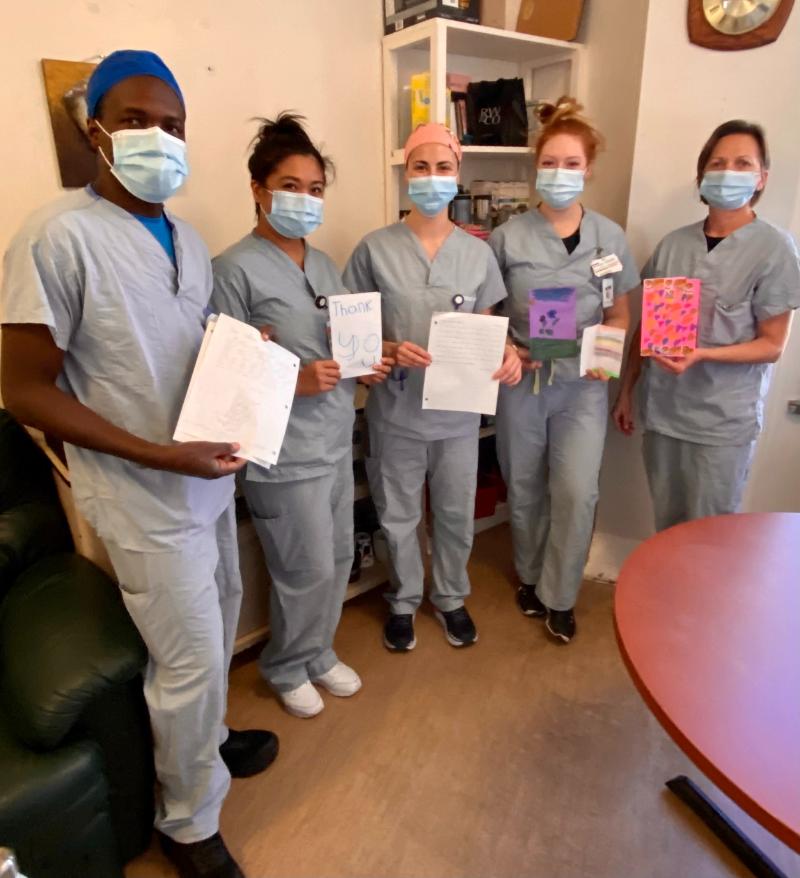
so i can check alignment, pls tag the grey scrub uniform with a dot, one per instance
(407, 443)
(701, 426)
(130, 326)
(550, 443)
(302, 507)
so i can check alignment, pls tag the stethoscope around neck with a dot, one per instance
(458, 301)
(321, 302)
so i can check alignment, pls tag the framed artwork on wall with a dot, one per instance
(65, 87)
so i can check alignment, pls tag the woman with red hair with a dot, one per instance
(551, 427)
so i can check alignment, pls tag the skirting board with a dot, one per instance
(607, 555)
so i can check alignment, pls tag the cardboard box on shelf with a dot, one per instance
(398, 14)
(556, 19)
(500, 13)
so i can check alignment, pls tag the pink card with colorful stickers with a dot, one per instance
(670, 312)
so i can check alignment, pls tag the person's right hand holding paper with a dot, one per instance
(206, 460)
(406, 353)
(318, 376)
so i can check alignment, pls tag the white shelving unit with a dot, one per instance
(549, 68)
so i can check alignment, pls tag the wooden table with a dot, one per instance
(708, 621)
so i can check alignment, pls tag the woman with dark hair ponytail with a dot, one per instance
(303, 506)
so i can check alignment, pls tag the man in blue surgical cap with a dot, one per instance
(102, 312)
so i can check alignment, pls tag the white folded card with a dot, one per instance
(241, 390)
(356, 335)
(466, 350)
(602, 348)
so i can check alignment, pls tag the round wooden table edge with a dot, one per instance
(777, 827)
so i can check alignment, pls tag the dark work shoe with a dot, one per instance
(528, 602)
(248, 752)
(561, 624)
(398, 633)
(201, 859)
(459, 629)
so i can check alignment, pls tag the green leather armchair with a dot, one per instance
(76, 766)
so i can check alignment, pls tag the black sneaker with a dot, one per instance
(459, 629)
(201, 859)
(398, 633)
(528, 602)
(248, 752)
(561, 624)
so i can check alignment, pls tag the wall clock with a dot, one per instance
(736, 24)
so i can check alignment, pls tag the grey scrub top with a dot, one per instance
(751, 275)
(130, 326)
(256, 282)
(393, 262)
(531, 255)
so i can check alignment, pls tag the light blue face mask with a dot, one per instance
(559, 187)
(149, 163)
(728, 190)
(432, 194)
(294, 214)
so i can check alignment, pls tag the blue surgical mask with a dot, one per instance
(432, 194)
(559, 187)
(149, 163)
(294, 214)
(728, 190)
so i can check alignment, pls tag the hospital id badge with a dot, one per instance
(608, 292)
(606, 265)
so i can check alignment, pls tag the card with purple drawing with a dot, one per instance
(670, 309)
(553, 323)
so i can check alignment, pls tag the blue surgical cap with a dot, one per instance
(122, 65)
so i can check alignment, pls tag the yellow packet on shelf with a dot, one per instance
(420, 99)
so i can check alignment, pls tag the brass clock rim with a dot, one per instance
(714, 21)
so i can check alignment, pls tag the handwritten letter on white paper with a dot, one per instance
(356, 332)
(241, 390)
(466, 350)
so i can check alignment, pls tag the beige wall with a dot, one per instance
(685, 92)
(234, 61)
(613, 32)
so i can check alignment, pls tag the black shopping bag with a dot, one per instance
(496, 113)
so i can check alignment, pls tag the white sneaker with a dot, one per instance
(304, 701)
(340, 680)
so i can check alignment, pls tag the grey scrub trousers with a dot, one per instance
(397, 468)
(555, 439)
(407, 443)
(690, 480)
(701, 426)
(306, 530)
